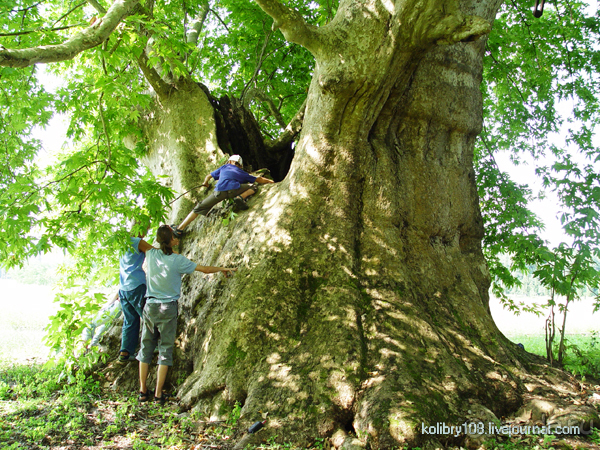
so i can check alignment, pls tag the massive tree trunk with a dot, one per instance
(360, 306)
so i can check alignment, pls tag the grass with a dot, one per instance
(36, 411)
(39, 412)
(583, 351)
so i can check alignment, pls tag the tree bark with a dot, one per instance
(360, 307)
(88, 38)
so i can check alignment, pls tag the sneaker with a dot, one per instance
(176, 231)
(240, 204)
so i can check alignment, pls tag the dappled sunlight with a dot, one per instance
(345, 392)
(268, 218)
(281, 374)
(206, 344)
(401, 425)
(331, 243)
(326, 362)
(349, 272)
(268, 333)
(387, 353)
(374, 380)
(313, 155)
(467, 344)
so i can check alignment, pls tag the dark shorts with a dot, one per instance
(218, 196)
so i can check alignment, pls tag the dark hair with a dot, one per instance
(164, 236)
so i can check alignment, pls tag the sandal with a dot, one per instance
(164, 398)
(144, 397)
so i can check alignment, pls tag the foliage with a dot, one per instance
(65, 336)
(84, 199)
(583, 358)
(87, 195)
(541, 86)
(39, 410)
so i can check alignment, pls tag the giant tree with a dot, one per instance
(361, 302)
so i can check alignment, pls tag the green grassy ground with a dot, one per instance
(583, 351)
(37, 411)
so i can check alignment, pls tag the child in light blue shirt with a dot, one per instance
(164, 271)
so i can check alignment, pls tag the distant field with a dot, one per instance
(580, 318)
(25, 312)
(26, 308)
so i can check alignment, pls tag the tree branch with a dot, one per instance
(291, 131)
(75, 8)
(161, 87)
(43, 30)
(196, 26)
(22, 9)
(97, 6)
(84, 40)
(291, 23)
(258, 65)
(216, 14)
(273, 109)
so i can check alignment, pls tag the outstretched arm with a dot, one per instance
(211, 269)
(263, 180)
(143, 246)
(207, 179)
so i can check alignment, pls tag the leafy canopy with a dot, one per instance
(541, 107)
(540, 83)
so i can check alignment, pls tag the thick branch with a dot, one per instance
(440, 23)
(458, 28)
(291, 131)
(97, 6)
(196, 26)
(84, 40)
(158, 84)
(291, 23)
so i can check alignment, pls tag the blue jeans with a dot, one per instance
(132, 303)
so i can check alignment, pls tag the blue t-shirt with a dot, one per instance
(164, 275)
(231, 177)
(131, 274)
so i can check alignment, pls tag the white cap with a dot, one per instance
(237, 159)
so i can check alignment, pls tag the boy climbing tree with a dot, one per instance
(233, 182)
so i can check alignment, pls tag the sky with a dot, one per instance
(546, 209)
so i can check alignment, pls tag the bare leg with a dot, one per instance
(161, 376)
(189, 219)
(143, 377)
(247, 193)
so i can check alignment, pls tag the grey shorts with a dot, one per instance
(218, 196)
(159, 330)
